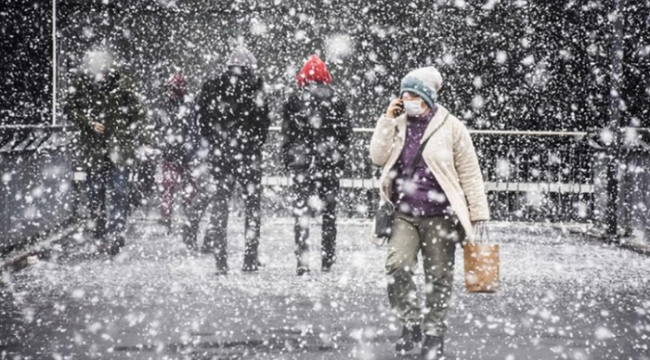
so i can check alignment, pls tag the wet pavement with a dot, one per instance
(562, 297)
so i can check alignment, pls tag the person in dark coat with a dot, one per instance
(233, 118)
(172, 136)
(316, 136)
(105, 108)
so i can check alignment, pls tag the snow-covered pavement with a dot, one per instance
(562, 297)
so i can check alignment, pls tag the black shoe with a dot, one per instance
(190, 245)
(189, 237)
(410, 336)
(251, 265)
(115, 246)
(326, 265)
(303, 263)
(221, 263)
(433, 347)
(205, 250)
(302, 270)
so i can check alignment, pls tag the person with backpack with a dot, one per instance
(315, 139)
(432, 180)
(233, 118)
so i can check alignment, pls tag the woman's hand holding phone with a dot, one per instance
(395, 108)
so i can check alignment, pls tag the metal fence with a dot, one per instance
(530, 176)
(633, 210)
(36, 187)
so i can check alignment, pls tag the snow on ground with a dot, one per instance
(561, 297)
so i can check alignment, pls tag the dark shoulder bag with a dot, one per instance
(384, 215)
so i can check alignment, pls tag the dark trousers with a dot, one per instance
(218, 194)
(436, 238)
(315, 194)
(175, 177)
(144, 183)
(108, 200)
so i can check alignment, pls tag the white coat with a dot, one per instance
(450, 156)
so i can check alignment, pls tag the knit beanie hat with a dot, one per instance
(424, 82)
(177, 84)
(314, 70)
(242, 57)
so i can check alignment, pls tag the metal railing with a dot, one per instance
(632, 192)
(531, 176)
(37, 193)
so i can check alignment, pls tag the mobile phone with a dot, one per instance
(401, 108)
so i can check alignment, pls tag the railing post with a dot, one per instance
(54, 63)
(613, 167)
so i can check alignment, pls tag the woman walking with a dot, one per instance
(432, 179)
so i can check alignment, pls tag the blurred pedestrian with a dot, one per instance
(316, 136)
(233, 118)
(173, 138)
(104, 106)
(432, 179)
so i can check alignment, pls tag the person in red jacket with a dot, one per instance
(172, 137)
(315, 131)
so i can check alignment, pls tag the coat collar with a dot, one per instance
(435, 122)
(401, 126)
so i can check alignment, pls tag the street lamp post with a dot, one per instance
(54, 63)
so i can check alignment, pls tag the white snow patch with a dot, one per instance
(607, 136)
(478, 102)
(490, 4)
(603, 333)
(501, 57)
(98, 61)
(503, 168)
(339, 46)
(528, 60)
(258, 27)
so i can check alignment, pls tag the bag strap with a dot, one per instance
(481, 233)
(418, 157)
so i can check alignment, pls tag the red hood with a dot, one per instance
(314, 70)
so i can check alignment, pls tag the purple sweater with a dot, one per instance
(421, 195)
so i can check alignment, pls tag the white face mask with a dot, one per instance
(413, 107)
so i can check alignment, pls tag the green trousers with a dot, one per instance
(436, 237)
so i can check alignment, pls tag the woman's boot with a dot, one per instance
(410, 336)
(433, 347)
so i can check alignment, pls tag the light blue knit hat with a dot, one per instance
(424, 82)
